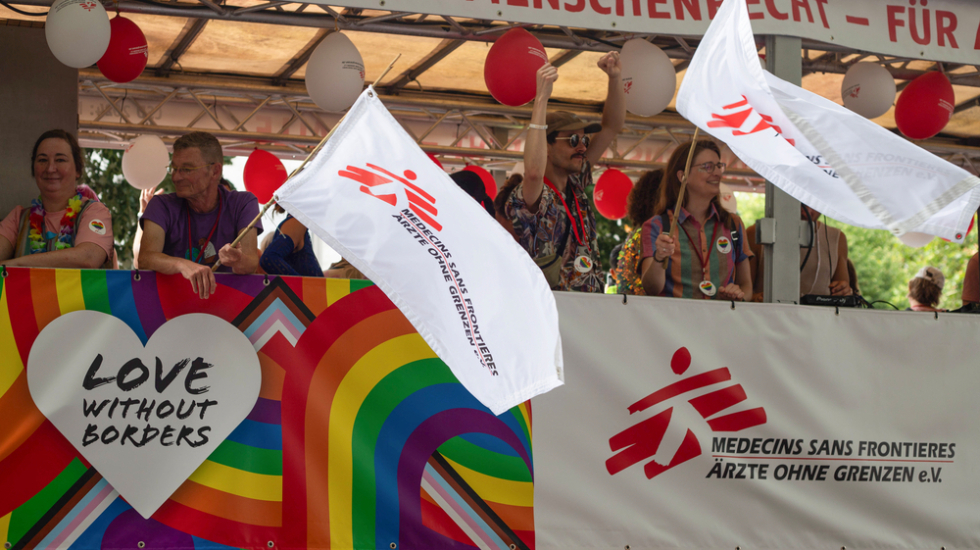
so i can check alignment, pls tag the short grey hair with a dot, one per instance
(208, 145)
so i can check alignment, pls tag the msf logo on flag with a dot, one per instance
(742, 113)
(642, 441)
(388, 187)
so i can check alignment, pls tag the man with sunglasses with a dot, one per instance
(188, 231)
(550, 210)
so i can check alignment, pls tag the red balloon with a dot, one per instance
(610, 193)
(435, 160)
(263, 175)
(487, 178)
(510, 70)
(125, 58)
(925, 105)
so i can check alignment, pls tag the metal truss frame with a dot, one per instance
(496, 126)
(479, 113)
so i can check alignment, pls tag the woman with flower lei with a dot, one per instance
(65, 226)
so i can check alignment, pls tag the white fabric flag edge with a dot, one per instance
(917, 222)
(736, 12)
(344, 127)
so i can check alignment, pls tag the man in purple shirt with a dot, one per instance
(188, 231)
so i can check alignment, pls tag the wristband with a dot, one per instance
(538, 126)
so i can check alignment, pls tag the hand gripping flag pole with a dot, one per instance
(299, 168)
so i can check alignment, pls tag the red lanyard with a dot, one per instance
(571, 220)
(190, 232)
(697, 249)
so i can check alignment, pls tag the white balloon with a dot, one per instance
(868, 89)
(145, 162)
(915, 239)
(335, 73)
(77, 32)
(649, 79)
(728, 200)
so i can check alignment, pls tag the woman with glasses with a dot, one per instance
(707, 257)
(64, 227)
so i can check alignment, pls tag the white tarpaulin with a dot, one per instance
(469, 289)
(690, 424)
(817, 151)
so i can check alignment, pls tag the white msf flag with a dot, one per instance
(469, 289)
(819, 152)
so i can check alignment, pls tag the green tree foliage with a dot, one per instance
(103, 173)
(609, 233)
(884, 265)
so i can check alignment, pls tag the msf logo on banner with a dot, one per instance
(643, 440)
(742, 115)
(388, 187)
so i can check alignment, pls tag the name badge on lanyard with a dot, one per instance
(583, 262)
(707, 288)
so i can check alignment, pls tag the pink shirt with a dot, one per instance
(94, 227)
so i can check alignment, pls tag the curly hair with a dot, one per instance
(643, 196)
(504, 194)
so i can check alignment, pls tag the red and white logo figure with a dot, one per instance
(627, 87)
(384, 185)
(642, 441)
(88, 6)
(738, 119)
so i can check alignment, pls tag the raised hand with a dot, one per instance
(547, 75)
(611, 65)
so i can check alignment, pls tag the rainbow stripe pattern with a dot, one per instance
(361, 437)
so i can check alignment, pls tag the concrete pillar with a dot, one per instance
(782, 269)
(37, 93)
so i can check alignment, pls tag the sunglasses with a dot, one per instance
(709, 167)
(574, 139)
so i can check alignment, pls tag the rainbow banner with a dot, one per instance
(361, 437)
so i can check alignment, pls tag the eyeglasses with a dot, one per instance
(709, 167)
(573, 140)
(185, 171)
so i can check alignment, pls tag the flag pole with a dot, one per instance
(680, 195)
(313, 153)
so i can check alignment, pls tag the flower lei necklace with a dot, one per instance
(39, 237)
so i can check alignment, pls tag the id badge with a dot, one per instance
(708, 288)
(583, 261)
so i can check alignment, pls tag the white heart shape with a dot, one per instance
(73, 375)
